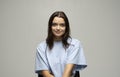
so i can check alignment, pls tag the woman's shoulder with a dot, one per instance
(74, 41)
(42, 44)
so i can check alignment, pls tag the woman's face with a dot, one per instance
(58, 27)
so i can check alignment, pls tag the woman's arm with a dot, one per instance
(68, 70)
(46, 73)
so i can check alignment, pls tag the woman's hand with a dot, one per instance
(68, 70)
(46, 73)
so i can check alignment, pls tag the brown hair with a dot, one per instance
(50, 37)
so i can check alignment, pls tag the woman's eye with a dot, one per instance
(62, 25)
(54, 24)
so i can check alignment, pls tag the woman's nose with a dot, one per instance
(58, 27)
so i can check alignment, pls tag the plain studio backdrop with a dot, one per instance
(23, 24)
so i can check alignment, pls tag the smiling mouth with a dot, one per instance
(58, 32)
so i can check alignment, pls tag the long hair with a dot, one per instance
(66, 35)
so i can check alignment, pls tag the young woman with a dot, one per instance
(59, 55)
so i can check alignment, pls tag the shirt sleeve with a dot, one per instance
(76, 56)
(40, 61)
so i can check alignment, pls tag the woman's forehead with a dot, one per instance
(58, 20)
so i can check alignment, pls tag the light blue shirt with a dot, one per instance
(55, 60)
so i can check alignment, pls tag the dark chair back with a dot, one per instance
(77, 74)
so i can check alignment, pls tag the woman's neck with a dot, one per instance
(57, 39)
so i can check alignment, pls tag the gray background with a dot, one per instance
(23, 24)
